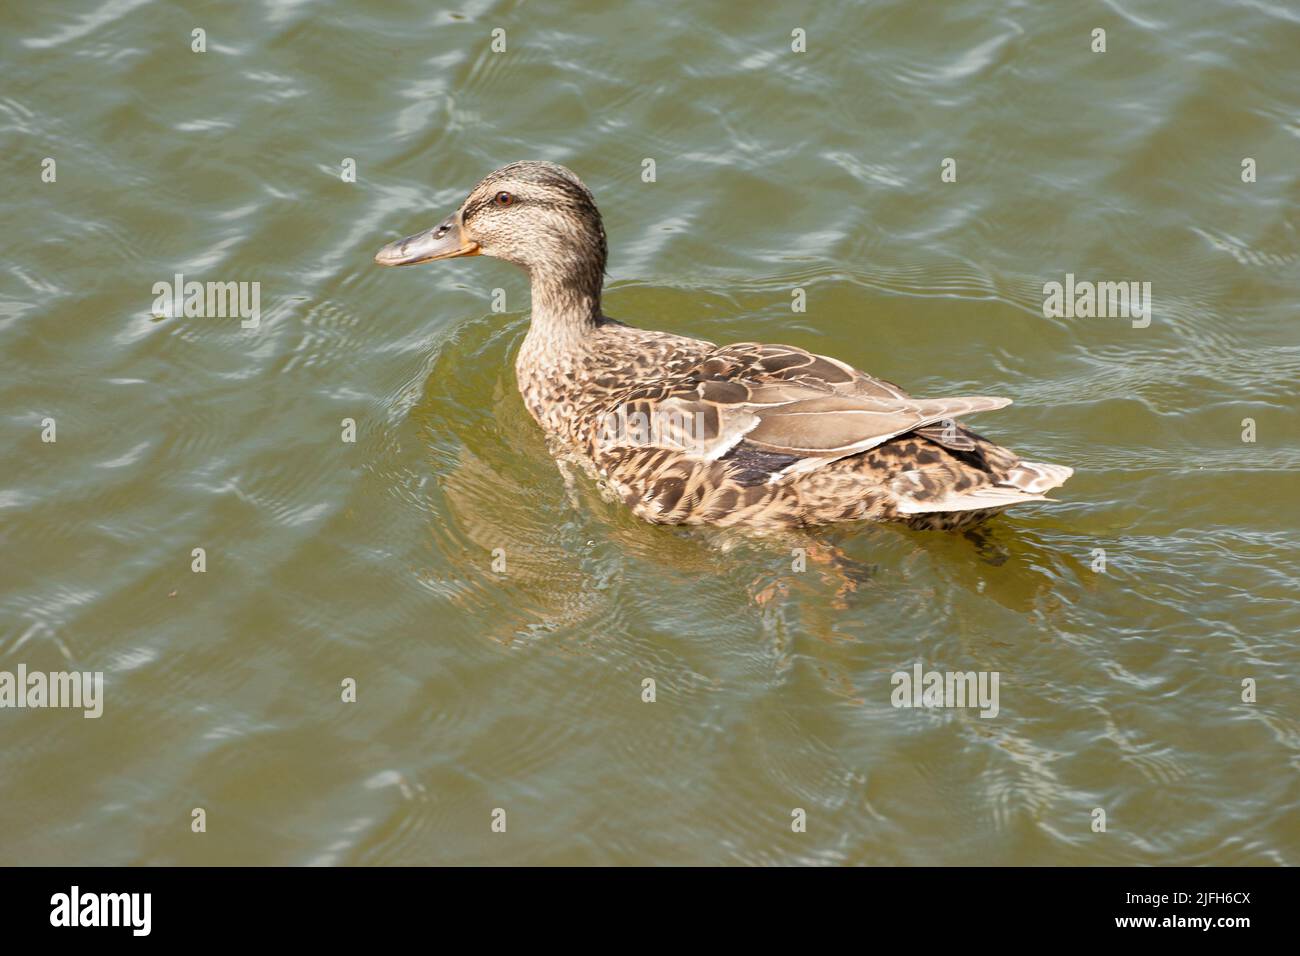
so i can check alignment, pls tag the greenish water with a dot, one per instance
(521, 690)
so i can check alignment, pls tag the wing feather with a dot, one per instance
(782, 401)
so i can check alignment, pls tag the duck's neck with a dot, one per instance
(566, 309)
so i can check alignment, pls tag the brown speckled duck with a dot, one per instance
(688, 432)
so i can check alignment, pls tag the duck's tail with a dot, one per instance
(1024, 482)
(1036, 477)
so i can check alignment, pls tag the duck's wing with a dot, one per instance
(777, 410)
(825, 369)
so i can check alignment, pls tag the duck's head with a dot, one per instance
(535, 214)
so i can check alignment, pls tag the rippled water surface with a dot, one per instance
(522, 689)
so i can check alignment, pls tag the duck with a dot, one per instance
(687, 432)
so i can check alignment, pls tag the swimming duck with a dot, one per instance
(688, 432)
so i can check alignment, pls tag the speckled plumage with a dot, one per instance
(687, 432)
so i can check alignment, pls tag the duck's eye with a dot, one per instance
(504, 199)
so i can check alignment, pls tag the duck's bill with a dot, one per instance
(444, 241)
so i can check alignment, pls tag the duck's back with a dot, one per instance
(686, 432)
